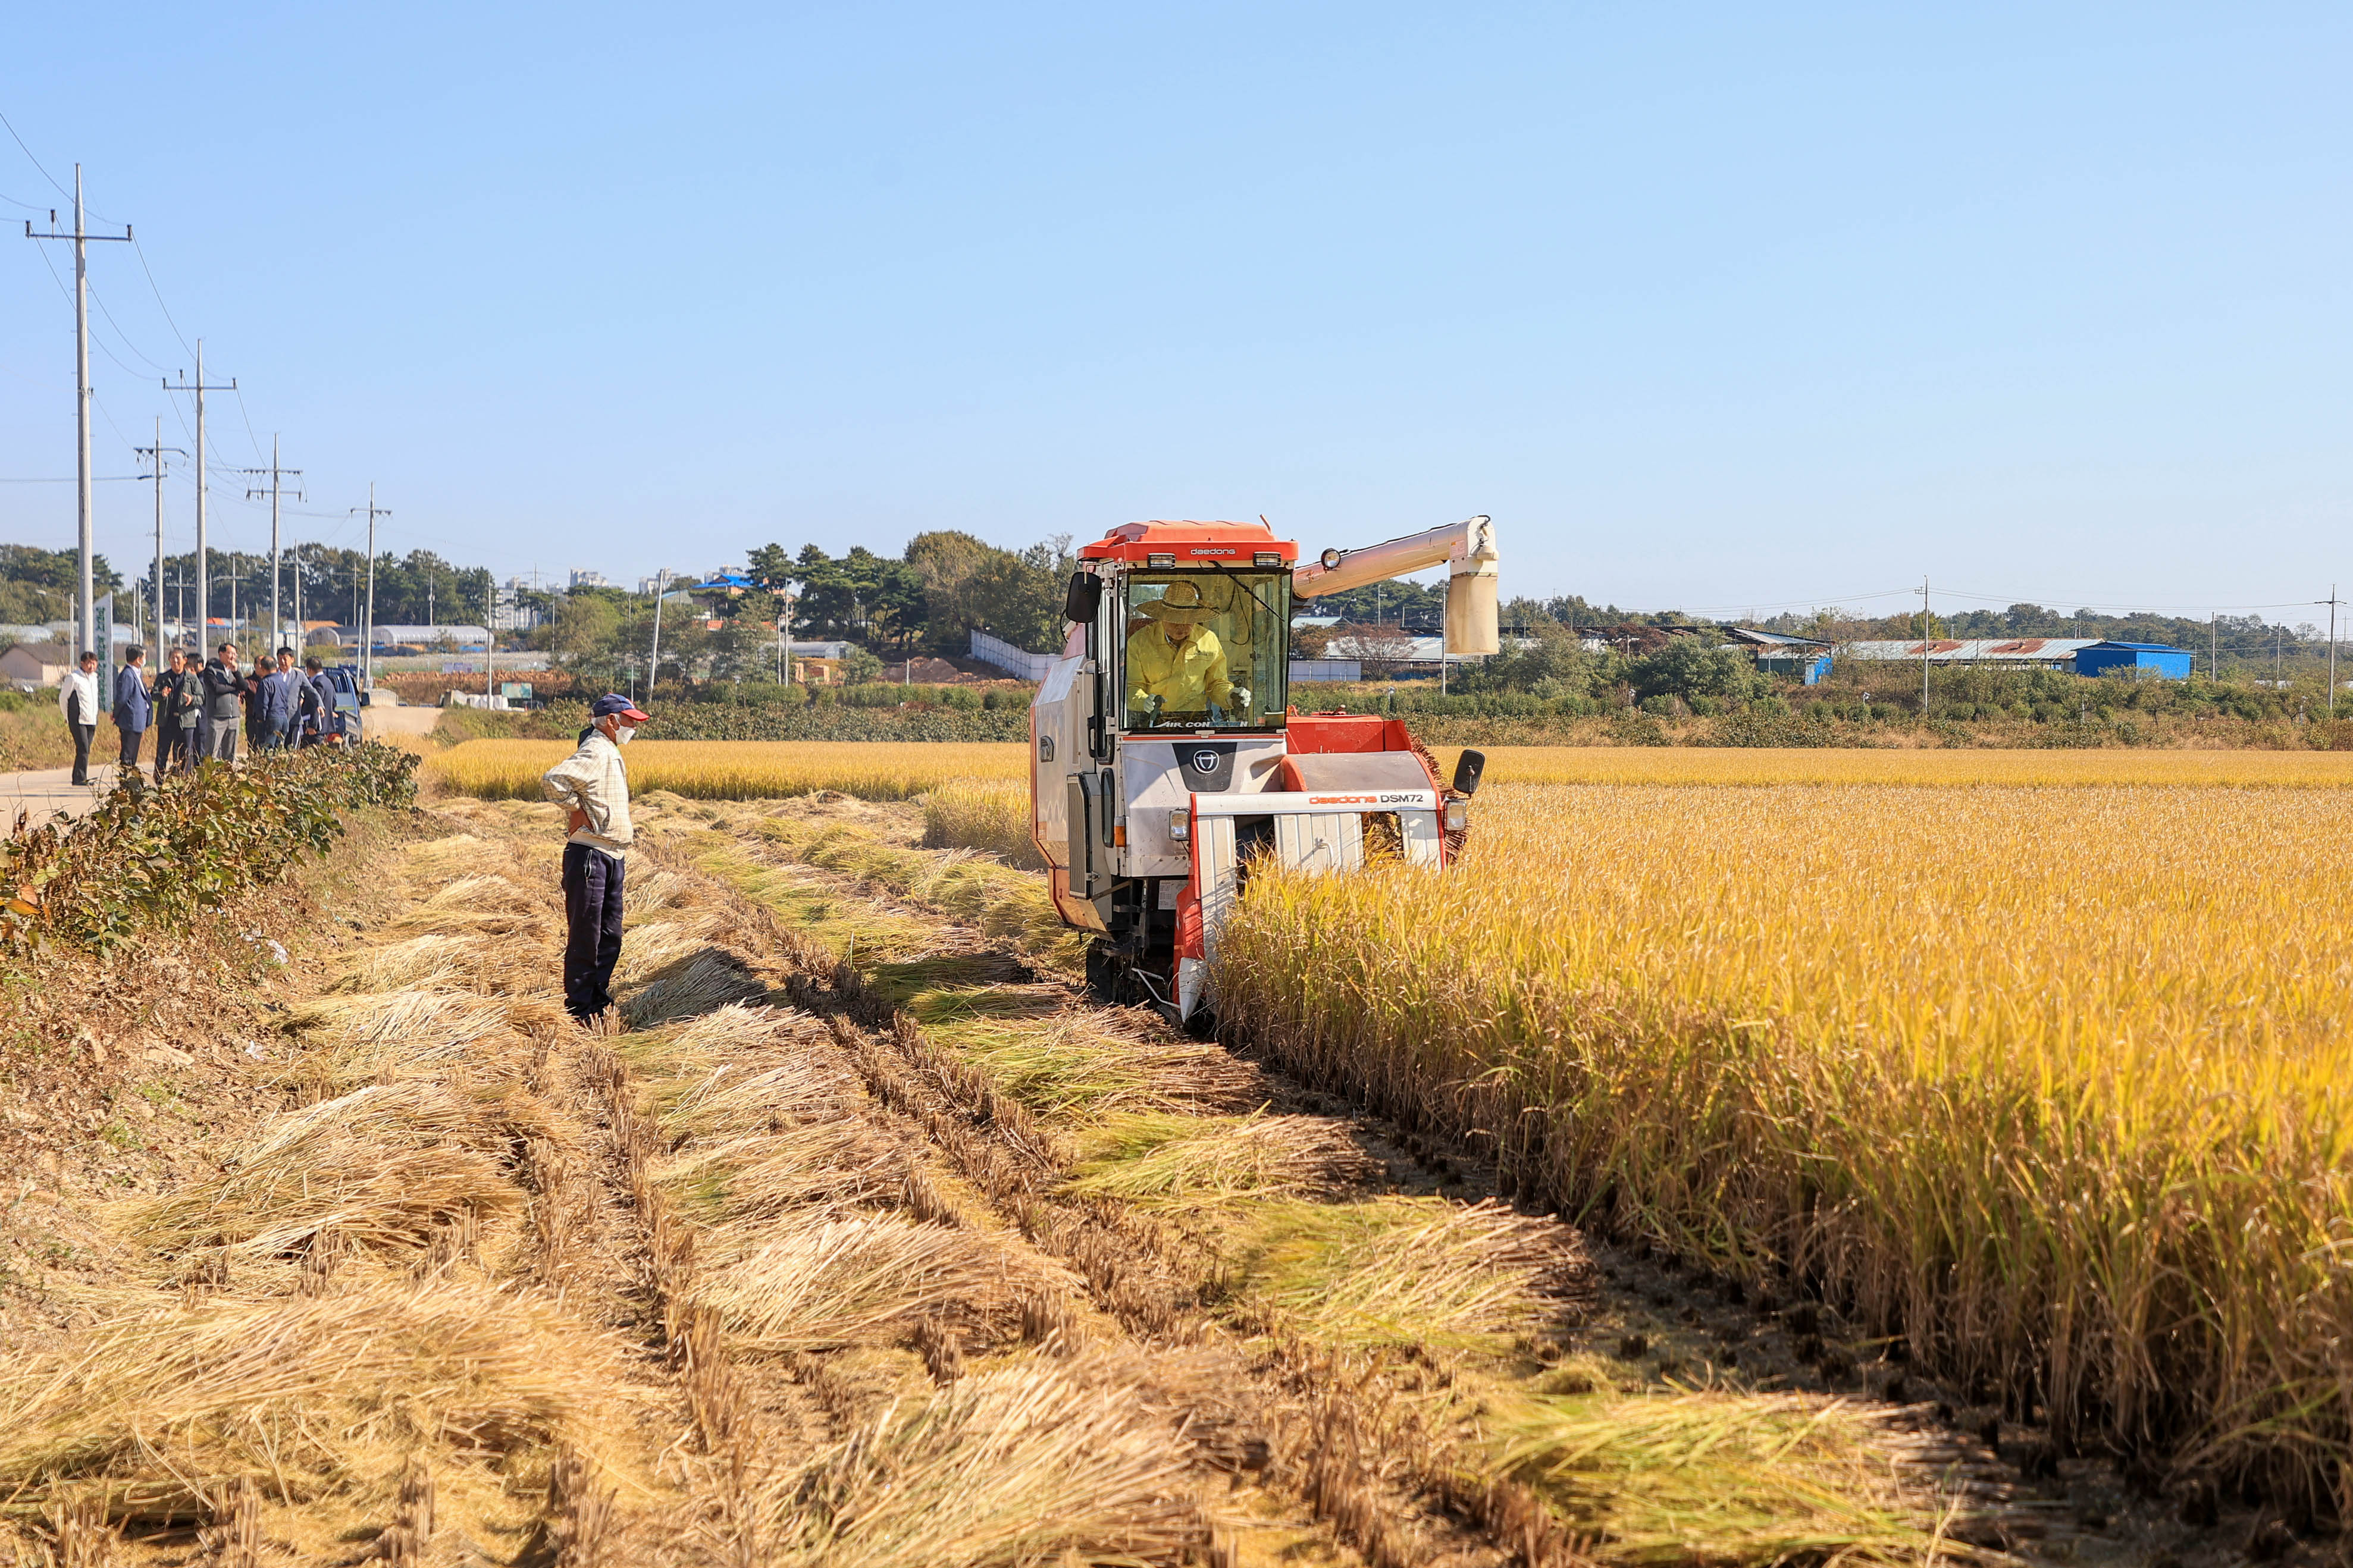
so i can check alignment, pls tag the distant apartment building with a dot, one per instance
(509, 611)
(589, 580)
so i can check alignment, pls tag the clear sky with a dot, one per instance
(1722, 307)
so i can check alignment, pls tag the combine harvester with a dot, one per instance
(1163, 755)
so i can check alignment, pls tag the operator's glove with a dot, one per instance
(1242, 701)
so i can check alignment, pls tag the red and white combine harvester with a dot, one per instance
(1165, 758)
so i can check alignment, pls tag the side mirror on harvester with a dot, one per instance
(1468, 768)
(1086, 592)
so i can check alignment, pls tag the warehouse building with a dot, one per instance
(2079, 656)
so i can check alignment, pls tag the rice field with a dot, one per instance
(2051, 1085)
(2035, 1062)
(735, 770)
(758, 770)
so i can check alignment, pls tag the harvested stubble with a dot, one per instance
(806, 1282)
(383, 1168)
(762, 1132)
(320, 1395)
(1160, 1160)
(1702, 1479)
(1394, 1271)
(2053, 1083)
(1048, 1460)
(1060, 1061)
(736, 770)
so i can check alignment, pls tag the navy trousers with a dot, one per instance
(592, 914)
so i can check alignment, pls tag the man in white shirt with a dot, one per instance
(78, 699)
(593, 786)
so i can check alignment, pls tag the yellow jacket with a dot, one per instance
(1186, 678)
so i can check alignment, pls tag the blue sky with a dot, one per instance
(1716, 307)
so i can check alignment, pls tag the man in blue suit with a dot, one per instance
(131, 705)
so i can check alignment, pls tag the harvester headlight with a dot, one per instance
(1331, 559)
(1266, 558)
(1180, 825)
(1160, 560)
(1458, 816)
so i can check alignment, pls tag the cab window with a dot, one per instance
(1205, 650)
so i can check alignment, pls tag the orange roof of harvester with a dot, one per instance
(1191, 543)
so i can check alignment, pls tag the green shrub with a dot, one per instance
(153, 853)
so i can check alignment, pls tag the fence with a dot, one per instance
(1014, 662)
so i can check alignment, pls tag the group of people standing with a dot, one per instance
(196, 708)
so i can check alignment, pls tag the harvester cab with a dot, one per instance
(1166, 760)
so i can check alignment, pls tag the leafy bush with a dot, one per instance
(154, 854)
(1683, 669)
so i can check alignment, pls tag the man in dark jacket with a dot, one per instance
(314, 702)
(176, 701)
(131, 705)
(280, 687)
(224, 709)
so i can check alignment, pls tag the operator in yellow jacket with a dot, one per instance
(1175, 663)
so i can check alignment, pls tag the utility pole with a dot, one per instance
(299, 632)
(276, 568)
(2213, 645)
(2332, 602)
(157, 452)
(653, 672)
(203, 563)
(367, 625)
(1923, 646)
(86, 592)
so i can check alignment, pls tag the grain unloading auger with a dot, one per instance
(1165, 758)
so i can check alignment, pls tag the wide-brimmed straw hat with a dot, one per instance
(1182, 602)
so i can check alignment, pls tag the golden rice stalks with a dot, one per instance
(655, 946)
(815, 1283)
(710, 978)
(400, 1031)
(316, 1395)
(650, 888)
(736, 770)
(451, 1019)
(383, 1168)
(1722, 1478)
(1703, 766)
(470, 961)
(770, 1175)
(1063, 1063)
(460, 855)
(1160, 1160)
(2055, 1083)
(748, 770)
(988, 815)
(480, 905)
(1394, 1271)
(1044, 1461)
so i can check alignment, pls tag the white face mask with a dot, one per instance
(621, 735)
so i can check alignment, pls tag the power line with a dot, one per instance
(36, 162)
(136, 250)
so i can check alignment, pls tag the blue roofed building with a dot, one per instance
(2135, 659)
